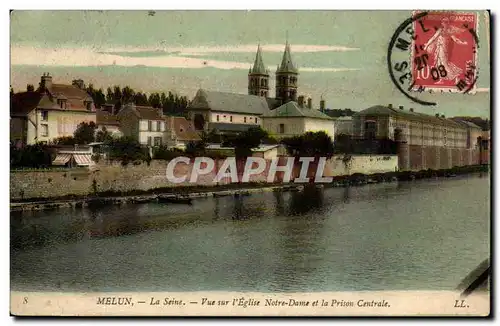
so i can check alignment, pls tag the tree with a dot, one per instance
(103, 135)
(65, 140)
(30, 88)
(311, 144)
(35, 156)
(246, 141)
(85, 132)
(126, 150)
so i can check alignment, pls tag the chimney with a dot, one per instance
(322, 105)
(401, 107)
(411, 110)
(46, 81)
(301, 101)
(389, 106)
(309, 103)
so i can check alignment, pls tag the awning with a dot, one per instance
(83, 159)
(61, 159)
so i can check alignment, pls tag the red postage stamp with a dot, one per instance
(444, 52)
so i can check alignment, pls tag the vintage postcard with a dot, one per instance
(250, 163)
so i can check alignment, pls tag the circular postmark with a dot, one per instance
(434, 52)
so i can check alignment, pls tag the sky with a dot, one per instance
(341, 55)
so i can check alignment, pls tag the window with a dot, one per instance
(45, 130)
(150, 125)
(158, 125)
(282, 128)
(45, 115)
(245, 119)
(231, 118)
(62, 104)
(149, 140)
(256, 120)
(217, 117)
(89, 106)
(157, 141)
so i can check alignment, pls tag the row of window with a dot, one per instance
(245, 119)
(63, 105)
(285, 80)
(255, 82)
(154, 127)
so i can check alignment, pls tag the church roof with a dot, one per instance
(292, 109)
(229, 102)
(286, 62)
(258, 66)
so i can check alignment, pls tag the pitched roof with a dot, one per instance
(23, 103)
(286, 61)
(70, 91)
(292, 109)
(143, 112)
(229, 102)
(258, 66)
(467, 123)
(183, 128)
(149, 113)
(416, 116)
(106, 118)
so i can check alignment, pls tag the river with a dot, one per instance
(419, 235)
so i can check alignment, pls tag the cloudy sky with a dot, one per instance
(341, 55)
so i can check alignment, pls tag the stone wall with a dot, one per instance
(114, 177)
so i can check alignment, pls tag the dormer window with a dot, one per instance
(61, 103)
(88, 105)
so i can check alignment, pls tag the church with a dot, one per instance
(228, 113)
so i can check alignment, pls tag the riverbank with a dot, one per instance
(181, 193)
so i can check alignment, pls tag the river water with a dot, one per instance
(419, 235)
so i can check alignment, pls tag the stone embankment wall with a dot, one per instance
(114, 177)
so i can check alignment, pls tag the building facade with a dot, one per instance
(296, 118)
(143, 123)
(343, 126)
(50, 112)
(226, 112)
(424, 141)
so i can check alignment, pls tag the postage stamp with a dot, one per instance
(163, 164)
(444, 52)
(435, 52)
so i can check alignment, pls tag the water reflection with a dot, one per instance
(308, 200)
(346, 195)
(358, 238)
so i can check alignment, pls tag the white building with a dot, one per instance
(226, 112)
(293, 119)
(143, 123)
(343, 126)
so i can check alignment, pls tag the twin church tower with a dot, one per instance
(286, 78)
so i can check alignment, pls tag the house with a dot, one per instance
(107, 121)
(297, 118)
(52, 111)
(179, 131)
(143, 123)
(343, 126)
(226, 112)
